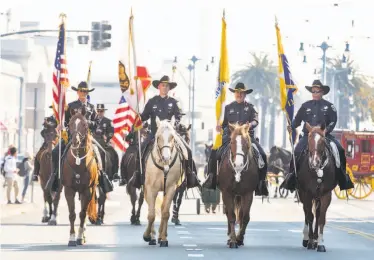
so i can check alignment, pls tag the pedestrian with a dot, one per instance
(11, 174)
(28, 169)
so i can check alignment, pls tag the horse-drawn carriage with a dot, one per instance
(359, 148)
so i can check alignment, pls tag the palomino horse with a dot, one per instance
(44, 157)
(237, 179)
(316, 179)
(129, 165)
(164, 168)
(182, 130)
(80, 174)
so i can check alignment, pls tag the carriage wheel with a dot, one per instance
(340, 194)
(362, 188)
(198, 206)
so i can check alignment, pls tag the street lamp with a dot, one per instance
(324, 46)
(194, 59)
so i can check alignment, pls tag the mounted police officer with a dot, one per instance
(48, 121)
(72, 108)
(163, 107)
(240, 112)
(315, 112)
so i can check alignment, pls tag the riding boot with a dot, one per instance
(52, 183)
(211, 181)
(290, 181)
(136, 179)
(344, 181)
(191, 175)
(261, 189)
(105, 183)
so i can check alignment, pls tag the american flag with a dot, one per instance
(124, 119)
(60, 77)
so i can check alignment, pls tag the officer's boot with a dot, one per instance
(122, 181)
(344, 181)
(136, 179)
(261, 189)
(290, 181)
(53, 179)
(36, 170)
(191, 175)
(211, 181)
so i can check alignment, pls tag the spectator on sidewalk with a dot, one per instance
(11, 174)
(28, 168)
(2, 166)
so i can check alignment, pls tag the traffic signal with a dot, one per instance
(100, 36)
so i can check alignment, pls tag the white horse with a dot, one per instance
(163, 170)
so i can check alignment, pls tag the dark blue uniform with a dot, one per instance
(240, 113)
(104, 127)
(316, 112)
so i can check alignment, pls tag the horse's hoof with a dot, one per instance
(240, 242)
(152, 242)
(45, 219)
(321, 248)
(137, 223)
(233, 245)
(92, 221)
(173, 220)
(72, 243)
(98, 222)
(305, 243)
(315, 245)
(80, 241)
(228, 242)
(147, 239)
(310, 245)
(52, 222)
(164, 244)
(133, 220)
(158, 240)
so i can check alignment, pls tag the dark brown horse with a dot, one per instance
(44, 158)
(128, 167)
(316, 181)
(238, 177)
(80, 174)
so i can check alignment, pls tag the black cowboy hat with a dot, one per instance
(83, 87)
(164, 79)
(100, 107)
(317, 83)
(241, 88)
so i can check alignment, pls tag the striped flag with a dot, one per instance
(124, 119)
(60, 77)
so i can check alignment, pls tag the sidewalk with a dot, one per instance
(7, 211)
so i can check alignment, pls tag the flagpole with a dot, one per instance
(132, 41)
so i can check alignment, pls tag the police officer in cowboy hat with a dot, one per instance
(163, 107)
(104, 130)
(240, 112)
(71, 109)
(315, 112)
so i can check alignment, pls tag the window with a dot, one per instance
(350, 149)
(365, 146)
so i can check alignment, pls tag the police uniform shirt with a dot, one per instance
(104, 127)
(240, 113)
(315, 112)
(90, 115)
(163, 108)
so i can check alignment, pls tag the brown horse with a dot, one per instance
(128, 167)
(80, 174)
(44, 157)
(238, 177)
(316, 179)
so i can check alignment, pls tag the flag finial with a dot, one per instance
(276, 19)
(63, 17)
(224, 12)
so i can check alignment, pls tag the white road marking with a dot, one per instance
(189, 245)
(183, 232)
(249, 229)
(179, 227)
(193, 249)
(195, 255)
(185, 237)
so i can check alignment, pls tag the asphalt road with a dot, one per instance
(273, 233)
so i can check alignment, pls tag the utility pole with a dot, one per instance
(194, 59)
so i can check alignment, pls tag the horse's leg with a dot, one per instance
(178, 196)
(308, 204)
(306, 228)
(133, 197)
(150, 234)
(70, 199)
(56, 201)
(228, 201)
(85, 200)
(246, 203)
(165, 215)
(325, 203)
(101, 204)
(45, 217)
(175, 213)
(140, 204)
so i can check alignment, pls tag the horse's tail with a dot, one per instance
(93, 169)
(91, 209)
(237, 206)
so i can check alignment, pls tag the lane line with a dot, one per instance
(183, 232)
(185, 237)
(352, 231)
(195, 255)
(189, 245)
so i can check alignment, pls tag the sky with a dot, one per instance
(164, 29)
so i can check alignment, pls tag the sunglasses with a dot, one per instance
(83, 91)
(317, 91)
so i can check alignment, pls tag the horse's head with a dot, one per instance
(50, 133)
(316, 144)
(78, 128)
(208, 151)
(165, 139)
(240, 147)
(183, 131)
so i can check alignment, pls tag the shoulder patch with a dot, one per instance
(333, 108)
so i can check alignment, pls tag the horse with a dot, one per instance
(164, 168)
(44, 156)
(80, 174)
(316, 180)
(182, 130)
(238, 176)
(129, 165)
(208, 205)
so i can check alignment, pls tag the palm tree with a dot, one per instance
(261, 75)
